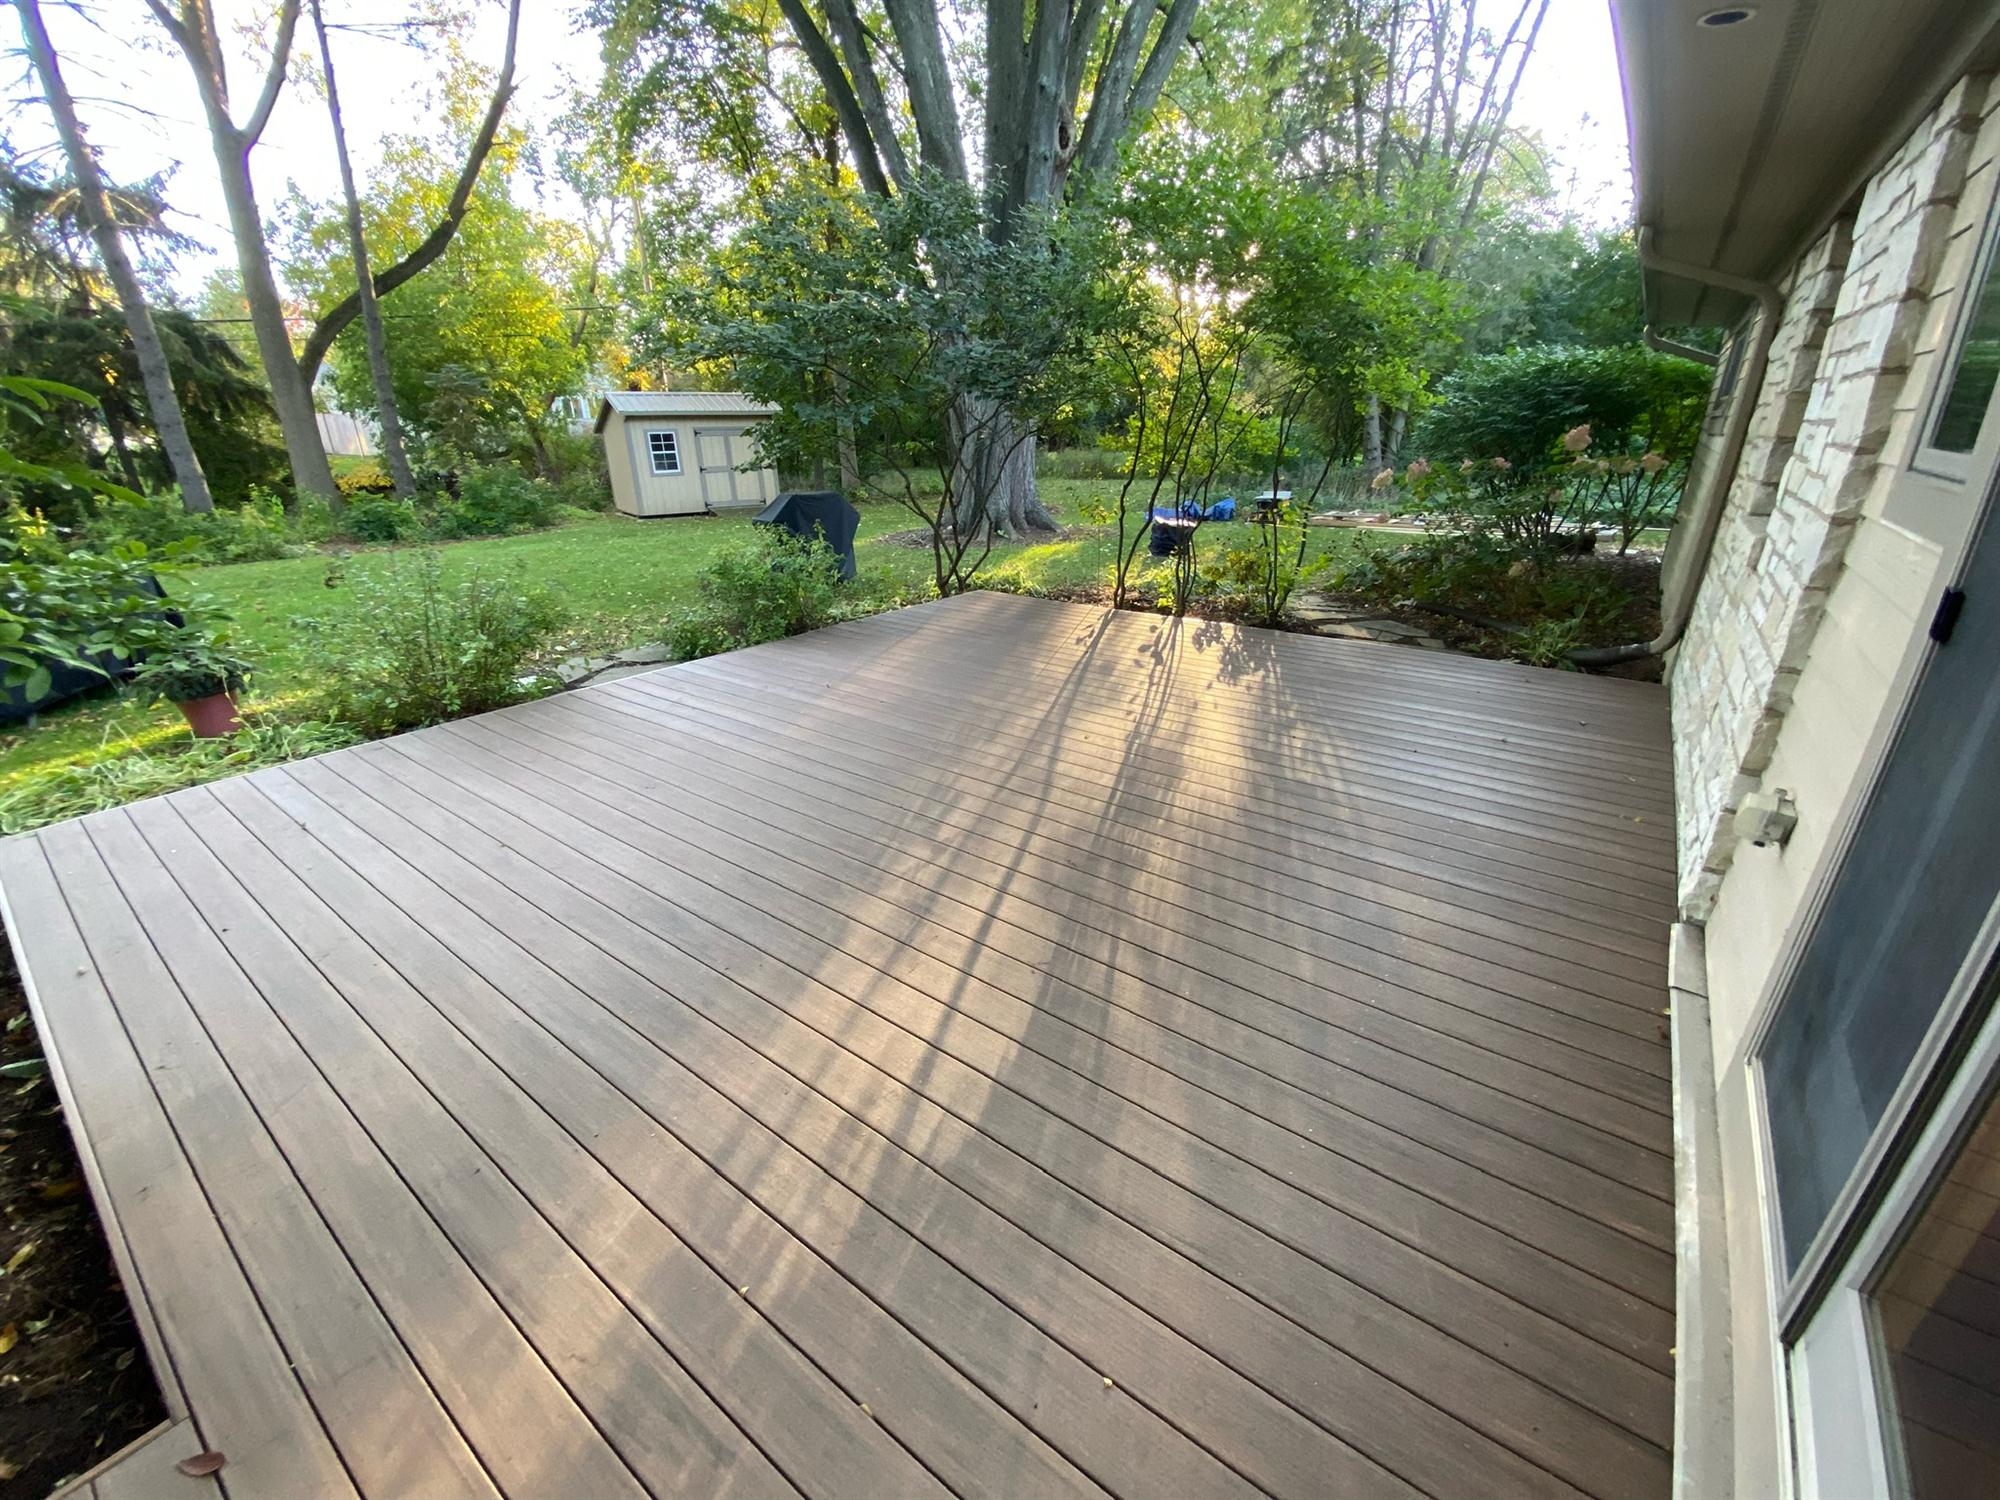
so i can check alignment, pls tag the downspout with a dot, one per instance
(1705, 520)
(1654, 340)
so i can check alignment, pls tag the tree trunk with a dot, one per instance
(377, 336)
(993, 472)
(291, 398)
(1371, 436)
(95, 203)
(194, 33)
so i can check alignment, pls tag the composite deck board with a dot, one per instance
(997, 1048)
(1175, 1154)
(1346, 932)
(1429, 1034)
(1333, 814)
(987, 982)
(1615, 841)
(1403, 904)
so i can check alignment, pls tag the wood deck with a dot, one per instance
(997, 1048)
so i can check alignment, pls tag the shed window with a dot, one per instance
(665, 451)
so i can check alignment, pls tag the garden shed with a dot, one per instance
(684, 453)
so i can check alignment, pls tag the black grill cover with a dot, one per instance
(821, 513)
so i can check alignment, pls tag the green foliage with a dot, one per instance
(71, 791)
(415, 648)
(890, 320)
(1267, 562)
(1540, 442)
(482, 339)
(226, 408)
(1541, 608)
(1518, 405)
(367, 477)
(495, 499)
(194, 661)
(381, 518)
(252, 532)
(770, 587)
(71, 608)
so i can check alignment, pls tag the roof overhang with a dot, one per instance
(1748, 139)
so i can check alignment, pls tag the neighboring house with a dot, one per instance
(683, 453)
(1819, 177)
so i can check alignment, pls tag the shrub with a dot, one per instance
(1518, 405)
(380, 518)
(73, 790)
(1082, 463)
(495, 500)
(77, 608)
(761, 590)
(367, 477)
(255, 531)
(1549, 439)
(415, 649)
(192, 663)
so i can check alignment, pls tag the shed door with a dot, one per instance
(716, 453)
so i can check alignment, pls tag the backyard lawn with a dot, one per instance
(621, 579)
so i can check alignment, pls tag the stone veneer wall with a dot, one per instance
(1856, 301)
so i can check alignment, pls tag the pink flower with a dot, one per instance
(1652, 463)
(1465, 466)
(1577, 438)
(1383, 480)
(1418, 468)
(1501, 463)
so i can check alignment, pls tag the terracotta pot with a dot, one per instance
(212, 717)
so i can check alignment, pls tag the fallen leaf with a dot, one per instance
(9, 1337)
(202, 1464)
(62, 1188)
(18, 1259)
(8, 1468)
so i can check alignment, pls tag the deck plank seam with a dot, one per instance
(847, 777)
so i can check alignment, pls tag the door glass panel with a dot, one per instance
(1938, 1308)
(1975, 373)
(1899, 920)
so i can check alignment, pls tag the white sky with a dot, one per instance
(139, 104)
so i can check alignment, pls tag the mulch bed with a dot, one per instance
(74, 1383)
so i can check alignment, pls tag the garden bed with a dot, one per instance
(74, 1383)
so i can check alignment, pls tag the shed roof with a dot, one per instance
(1747, 139)
(681, 404)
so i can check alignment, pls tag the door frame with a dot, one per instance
(1841, 1406)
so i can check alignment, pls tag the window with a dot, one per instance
(665, 451)
(1974, 373)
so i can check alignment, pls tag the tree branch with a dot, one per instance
(385, 281)
(274, 76)
(839, 93)
(853, 39)
(928, 79)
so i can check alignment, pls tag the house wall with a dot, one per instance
(1807, 630)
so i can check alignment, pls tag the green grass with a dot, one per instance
(622, 579)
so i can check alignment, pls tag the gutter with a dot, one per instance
(1705, 519)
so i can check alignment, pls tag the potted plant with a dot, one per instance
(194, 669)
